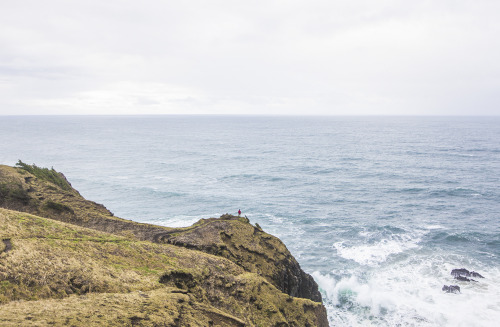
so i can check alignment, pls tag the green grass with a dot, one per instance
(46, 174)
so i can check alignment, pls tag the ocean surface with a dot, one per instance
(378, 209)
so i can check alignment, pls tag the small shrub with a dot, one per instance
(58, 207)
(13, 193)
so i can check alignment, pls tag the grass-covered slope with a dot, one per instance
(47, 193)
(67, 274)
(65, 260)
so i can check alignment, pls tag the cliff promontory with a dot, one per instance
(65, 260)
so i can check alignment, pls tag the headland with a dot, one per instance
(65, 260)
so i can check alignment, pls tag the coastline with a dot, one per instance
(261, 282)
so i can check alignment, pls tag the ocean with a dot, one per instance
(378, 210)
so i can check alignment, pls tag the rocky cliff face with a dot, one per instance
(250, 247)
(218, 272)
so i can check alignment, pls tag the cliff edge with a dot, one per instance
(72, 262)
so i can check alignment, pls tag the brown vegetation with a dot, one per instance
(53, 272)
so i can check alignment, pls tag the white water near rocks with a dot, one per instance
(378, 209)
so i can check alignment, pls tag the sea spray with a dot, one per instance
(410, 294)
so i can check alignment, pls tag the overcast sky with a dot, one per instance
(250, 57)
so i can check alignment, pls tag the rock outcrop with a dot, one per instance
(248, 246)
(77, 264)
(462, 274)
(451, 289)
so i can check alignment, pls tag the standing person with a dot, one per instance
(239, 212)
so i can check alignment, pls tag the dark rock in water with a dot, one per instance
(475, 274)
(462, 274)
(464, 279)
(451, 289)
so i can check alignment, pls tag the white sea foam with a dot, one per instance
(121, 177)
(179, 221)
(178, 170)
(182, 221)
(432, 227)
(409, 294)
(273, 218)
(378, 252)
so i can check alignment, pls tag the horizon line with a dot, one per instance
(252, 115)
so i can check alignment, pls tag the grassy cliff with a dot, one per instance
(68, 261)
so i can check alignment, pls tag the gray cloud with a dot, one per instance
(278, 57)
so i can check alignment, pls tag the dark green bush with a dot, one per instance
(58, 207)
(13, 193)
(46, 174)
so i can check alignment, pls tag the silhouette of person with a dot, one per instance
(239, 212)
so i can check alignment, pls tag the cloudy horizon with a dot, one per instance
(262, 57)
